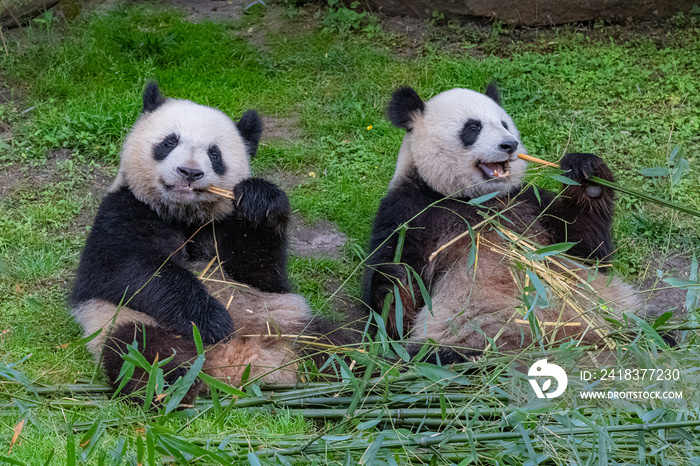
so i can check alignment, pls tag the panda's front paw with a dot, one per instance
(217, 327)
(261, 203)
(580, 167)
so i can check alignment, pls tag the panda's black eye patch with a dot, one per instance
(165, 147)
(470, 132)
(505, 125)
(215, 157)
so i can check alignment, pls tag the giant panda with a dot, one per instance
(158, 226)
(458, 146)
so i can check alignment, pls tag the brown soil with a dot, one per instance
(320, 240)
(283, 128)
(201, 10)
(16, 178)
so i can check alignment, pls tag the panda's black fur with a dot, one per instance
(440, 169)
(135, 281)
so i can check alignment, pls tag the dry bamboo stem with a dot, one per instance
(220, 191)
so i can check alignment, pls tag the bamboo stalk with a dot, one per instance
(220, 191)
(430, 439)
(622, 189)
(74, 388)
(400, 413)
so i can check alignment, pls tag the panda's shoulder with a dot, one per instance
(122, 213)
(122, 203)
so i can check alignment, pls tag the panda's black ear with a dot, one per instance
(405, 104)
(151, 97)
(492, 91)
(250, 126)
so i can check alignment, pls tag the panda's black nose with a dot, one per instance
(508, 146)
(190, 174)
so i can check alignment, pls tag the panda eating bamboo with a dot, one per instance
(159, 223)
(459, 146)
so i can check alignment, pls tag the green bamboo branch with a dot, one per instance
(622, 189)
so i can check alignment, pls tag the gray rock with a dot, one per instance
(536, 12)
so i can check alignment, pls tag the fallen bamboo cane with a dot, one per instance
(622, 189)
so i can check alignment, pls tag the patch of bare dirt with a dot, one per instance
(6, 94)
(280, 128)
(20, 177)
(320, 240)
(287, 181)
(202, 10)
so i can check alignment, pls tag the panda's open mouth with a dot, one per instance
(495, 169)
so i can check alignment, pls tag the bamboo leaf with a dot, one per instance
(8, 460)
(662, 319)
(649, 331)
(481, 199)
(81, 341)
(679, 170)
(642, 450)
(48, 460)
(150, 446)
(253, 459)
(151, 385)
(424, 292)
(543, 299)
(368, 424)
(91, 437)
(537, 194)
(119, 452)
(371, 452)
(440, 374)
(140, 450)
(550, 250)
(674, 153)
(528, 444)
(654, 172)
(182, 386)
(219, 385)
(70, 446)
(245, 376)
(602, 448)
(564, 180)
(400, 351)
(197, 339)
(398, 311)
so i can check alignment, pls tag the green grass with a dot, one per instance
(628, 97)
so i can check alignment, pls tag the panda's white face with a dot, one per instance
(463, 143)
(176, 151)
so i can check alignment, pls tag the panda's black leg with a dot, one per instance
(154, 344)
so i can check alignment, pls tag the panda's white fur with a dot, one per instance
(437, 173)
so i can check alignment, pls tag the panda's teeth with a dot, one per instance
(494, 169)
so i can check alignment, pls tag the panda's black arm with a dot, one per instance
(398, 207)
(252, 243)
(173, 296)
(582, 214)
(135, 258)
(161, 288)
